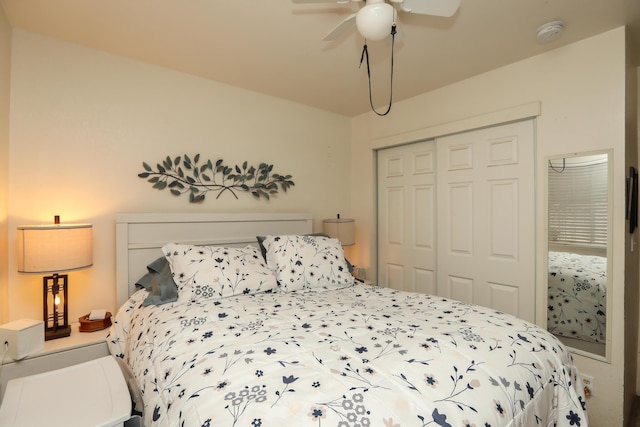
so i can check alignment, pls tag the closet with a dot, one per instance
(456, 217)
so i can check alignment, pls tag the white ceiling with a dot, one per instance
(274, 47)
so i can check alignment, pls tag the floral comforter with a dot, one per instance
(358, 356)
(577, 296)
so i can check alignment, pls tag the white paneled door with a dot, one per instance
(486, 218)
(471, 237)
(406, 217)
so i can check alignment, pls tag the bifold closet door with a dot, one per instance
(406, 217)
(486, 218)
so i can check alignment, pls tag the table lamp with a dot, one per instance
(343, 229)
(54, 249)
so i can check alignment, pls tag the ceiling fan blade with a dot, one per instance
(444, 8)
(344, 25)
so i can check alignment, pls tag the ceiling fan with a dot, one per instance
(375, 18)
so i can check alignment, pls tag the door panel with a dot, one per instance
(424, 224)
(459, 288)
(395, 202)
(504, 298)
(486, 217)
(503, 205)
(425, 281)
(407, 217)
(460, 234)
(395, 277)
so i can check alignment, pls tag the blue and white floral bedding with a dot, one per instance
(355, 356)
(577, 296)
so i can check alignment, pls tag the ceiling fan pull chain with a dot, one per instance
(365, 53)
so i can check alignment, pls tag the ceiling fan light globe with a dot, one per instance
(374, 21)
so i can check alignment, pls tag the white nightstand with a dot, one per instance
(59, 353)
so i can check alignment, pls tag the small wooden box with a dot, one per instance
(87, 325)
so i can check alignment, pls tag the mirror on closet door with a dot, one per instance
(579, 250)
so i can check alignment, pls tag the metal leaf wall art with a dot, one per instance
(185, 175)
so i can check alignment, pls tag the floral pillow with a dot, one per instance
(214, 272)
(313, 263)
(263, 250)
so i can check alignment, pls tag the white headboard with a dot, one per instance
(140, 236)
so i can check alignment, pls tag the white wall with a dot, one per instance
(83, 121)
(580, 92)
(5, 76)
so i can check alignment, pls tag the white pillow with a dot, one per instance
(313, 263)
(214, 272)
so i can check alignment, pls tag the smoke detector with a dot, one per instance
(549, 31)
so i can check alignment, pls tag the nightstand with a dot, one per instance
(59, 353)
(92, 393)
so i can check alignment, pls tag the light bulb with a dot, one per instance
(374, 20)
(57, 300)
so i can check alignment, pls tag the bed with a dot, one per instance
(577, 296)
(313, 347)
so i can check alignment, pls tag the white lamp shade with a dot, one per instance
(342, 229)
(374, 20)
(54, 248)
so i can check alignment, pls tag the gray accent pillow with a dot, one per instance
(159, 283)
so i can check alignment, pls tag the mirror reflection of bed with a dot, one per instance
(577, 299)
(578, 224)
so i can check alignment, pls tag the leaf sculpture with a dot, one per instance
(184, 175)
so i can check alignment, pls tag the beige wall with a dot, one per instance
(5, 75)
(83, 121)
(580, 92)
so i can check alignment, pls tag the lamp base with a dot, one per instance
(61, 332)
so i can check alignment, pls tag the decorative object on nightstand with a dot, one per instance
(23, 337)
(343, 229)
(53, 249)
(97, 320)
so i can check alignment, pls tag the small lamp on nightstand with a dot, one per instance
(343, 229)
(53, 249)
